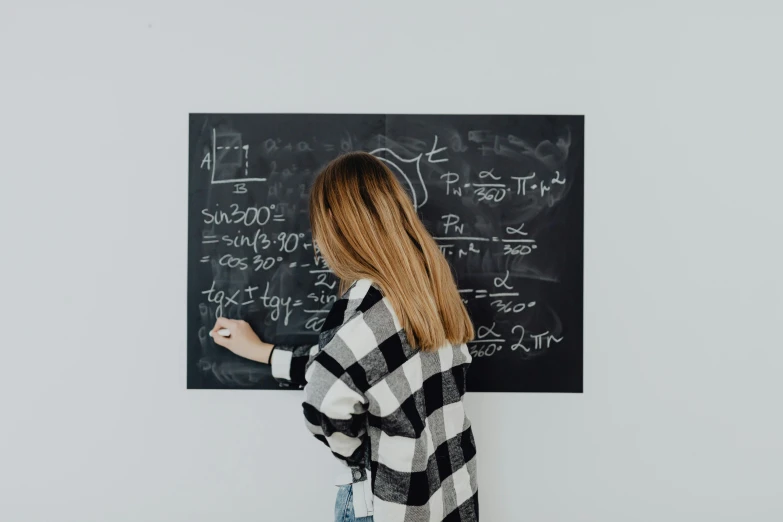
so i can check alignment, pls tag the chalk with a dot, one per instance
(225, 332)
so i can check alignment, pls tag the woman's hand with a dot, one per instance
(243, 341)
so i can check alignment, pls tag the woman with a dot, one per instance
(384, 385)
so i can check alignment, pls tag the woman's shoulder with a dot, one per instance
(368, 309)
(360, 322)
(363, 292)
(360, 297)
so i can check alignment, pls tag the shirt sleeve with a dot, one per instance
(289, 362)
(335, 412)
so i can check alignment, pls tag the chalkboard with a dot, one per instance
(503, 196)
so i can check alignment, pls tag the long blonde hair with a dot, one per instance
(365, 226)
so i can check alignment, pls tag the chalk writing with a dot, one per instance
(496, 203)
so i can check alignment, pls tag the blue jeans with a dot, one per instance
(343, 506)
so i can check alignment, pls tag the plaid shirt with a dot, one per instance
(392, 414)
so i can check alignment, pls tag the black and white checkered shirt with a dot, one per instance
(392, 414)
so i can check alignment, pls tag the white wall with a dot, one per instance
(680, 419)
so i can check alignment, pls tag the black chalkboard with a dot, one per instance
(502, 195)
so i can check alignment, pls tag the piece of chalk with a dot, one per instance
(225, 332)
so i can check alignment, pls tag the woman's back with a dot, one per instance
(422, 451)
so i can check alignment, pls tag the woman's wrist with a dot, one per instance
(258, 351)
(264, 352)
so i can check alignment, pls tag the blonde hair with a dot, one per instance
(365, 226)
